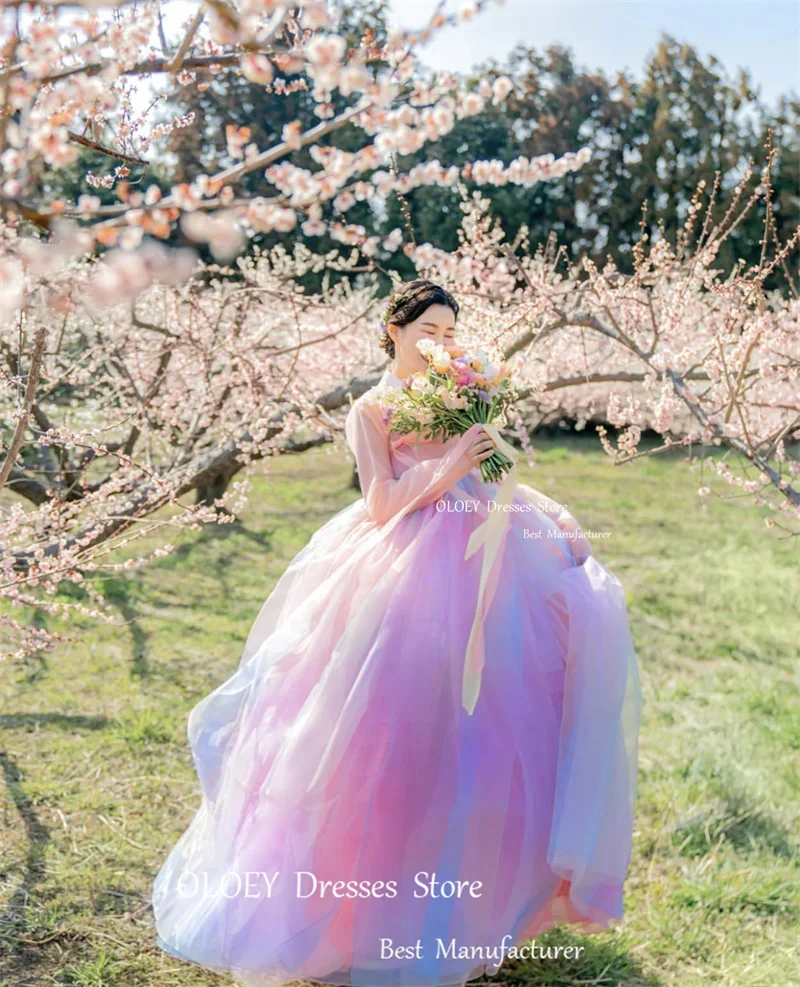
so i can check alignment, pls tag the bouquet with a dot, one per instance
(457, 390)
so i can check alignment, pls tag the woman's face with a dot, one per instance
(437, 323)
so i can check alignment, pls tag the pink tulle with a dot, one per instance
(340, 747)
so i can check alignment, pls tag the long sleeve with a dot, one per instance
(384, 494)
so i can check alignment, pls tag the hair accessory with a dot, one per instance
(384, 322)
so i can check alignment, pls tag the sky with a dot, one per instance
(612, 35)
(762, 36)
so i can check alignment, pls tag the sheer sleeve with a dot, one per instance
(384, 494)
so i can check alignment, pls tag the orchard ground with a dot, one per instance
(99, 783)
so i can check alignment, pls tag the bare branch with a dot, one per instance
(27, 401)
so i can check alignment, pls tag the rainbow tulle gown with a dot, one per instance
(340, 750)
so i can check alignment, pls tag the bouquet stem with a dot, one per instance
(493, 468)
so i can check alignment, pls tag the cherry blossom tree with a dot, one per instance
(132, 374)
(697, 358)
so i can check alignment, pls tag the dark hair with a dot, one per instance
(408, 303)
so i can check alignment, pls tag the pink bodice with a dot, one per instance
(401, 473)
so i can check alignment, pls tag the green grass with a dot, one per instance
(99, 784)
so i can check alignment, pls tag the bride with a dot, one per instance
(341, 745)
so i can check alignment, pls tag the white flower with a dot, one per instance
(421, 384)
(453, 400)
(435, 353)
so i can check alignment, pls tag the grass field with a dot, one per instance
(99, 784)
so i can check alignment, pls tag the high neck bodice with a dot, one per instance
(390, 380)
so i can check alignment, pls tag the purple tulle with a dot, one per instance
(340, 748)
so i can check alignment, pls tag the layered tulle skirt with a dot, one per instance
(358, 825)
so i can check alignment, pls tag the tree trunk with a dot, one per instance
(207, 493)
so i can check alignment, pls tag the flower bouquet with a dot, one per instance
(456, 391)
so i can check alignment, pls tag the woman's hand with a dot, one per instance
(482, 445)
(578, 542)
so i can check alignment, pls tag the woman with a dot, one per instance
(358, 824)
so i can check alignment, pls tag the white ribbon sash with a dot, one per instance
(490, 535)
